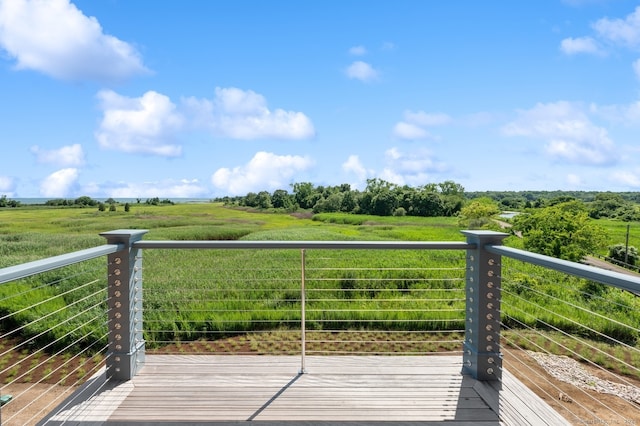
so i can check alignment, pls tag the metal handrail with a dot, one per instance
(616, 279)
(24, 270)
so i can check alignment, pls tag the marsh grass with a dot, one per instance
(221, 297)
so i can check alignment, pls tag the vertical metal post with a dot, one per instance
(303, 315)
(626, 247)
(126, 350)
(482, 358)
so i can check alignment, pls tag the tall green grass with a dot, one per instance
(189, 294)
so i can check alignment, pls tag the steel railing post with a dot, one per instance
(482, 358)
(126, 344)
(303, 314)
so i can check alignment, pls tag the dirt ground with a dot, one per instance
(31, 403)
(578, 406)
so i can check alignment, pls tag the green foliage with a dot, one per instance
(477, 213)
(5, 202)
(613, 206)
(620, 253)
(563, 230)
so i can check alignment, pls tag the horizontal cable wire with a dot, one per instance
(571, 336)
(591, 397)
(550, 383)
(590, 312)
(52, 328)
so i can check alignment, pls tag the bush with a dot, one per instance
(618, 252)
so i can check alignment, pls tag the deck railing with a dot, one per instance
(312, 298)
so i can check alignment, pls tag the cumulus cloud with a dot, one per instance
(7, 186)
(569, 134)
(265, 171)
(628, 114)
(354, 166)
(145, 125)
(636, 68)
(630, 179)
(362, 71)
(70, 155)
(410, 167)
(60, 184)
(415, 124)
(185, 188)
(573, 46)
(358, 51)
(621, 31)
(243, 114)
(55, 38)
(574, 180)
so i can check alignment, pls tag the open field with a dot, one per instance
(180, 285)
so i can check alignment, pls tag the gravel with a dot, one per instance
(570, 371)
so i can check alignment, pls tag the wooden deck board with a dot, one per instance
(333, 390)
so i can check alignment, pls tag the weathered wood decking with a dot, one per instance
(334, 390)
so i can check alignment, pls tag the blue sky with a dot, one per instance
(198, 99)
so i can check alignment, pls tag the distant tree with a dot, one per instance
(303, 195)
(112, 207)
(5, 202)
(400, 211)
(101, 207)
(264, 200)
(477, 213)
(349, 202)
(281, 199)
(85, 201)
(127, 207)
(563, 230)
(110, 201)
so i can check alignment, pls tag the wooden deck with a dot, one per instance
(231, 390)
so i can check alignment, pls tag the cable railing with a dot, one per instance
(53, 331)
(314, 301)
(568, 331)
(575, 330)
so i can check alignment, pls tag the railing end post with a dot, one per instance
(482, 358)
(126, 350)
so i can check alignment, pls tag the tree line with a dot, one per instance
(380, 198)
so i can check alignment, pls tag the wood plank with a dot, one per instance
(334, 389)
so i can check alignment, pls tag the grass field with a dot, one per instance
(211, 295)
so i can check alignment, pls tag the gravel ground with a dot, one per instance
(570, 371)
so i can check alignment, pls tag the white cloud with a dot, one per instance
(265, 171)
(55, 38)
(414, 123)
(186, 188)
(7, 186)
(621, 31)
(60, 183)
(362, 71)
(358, 51)
(410, 168)
(422, 118)
(387, 45)
(145, 125)
(636, 68)
(573, 46)
(354, 166)
(625, 114)
(70, 155)
(569, 134)
(408, 131)
(243, 114)
(630, 179)
(574, 180)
